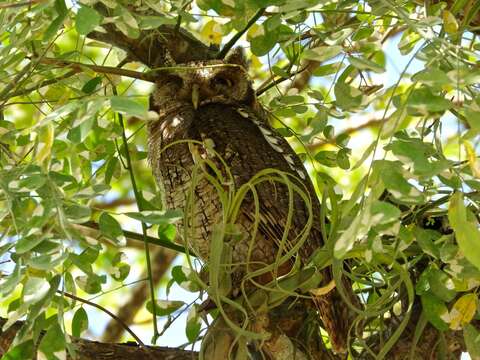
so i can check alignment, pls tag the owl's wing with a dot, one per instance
(248, 145)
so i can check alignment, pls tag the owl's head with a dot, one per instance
(200, 83)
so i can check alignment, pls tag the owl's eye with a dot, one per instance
(222, 80)
(173, 80)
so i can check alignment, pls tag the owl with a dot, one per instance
(212, 135)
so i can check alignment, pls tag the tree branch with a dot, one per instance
(78, 67)
(106, 311)
(93, 350)
(155, 48)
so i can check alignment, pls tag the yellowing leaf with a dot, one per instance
(255, 31)
(449, 22)
(472, 159)
(46, 141)
(212, 32)
(463, 311)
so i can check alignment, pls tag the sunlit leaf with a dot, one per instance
(322, 53)
(466, 232)
(164, 307)
(86, 20)
(365, 64)
(159, 217)
(128, 106)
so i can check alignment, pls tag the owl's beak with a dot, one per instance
(195, 95)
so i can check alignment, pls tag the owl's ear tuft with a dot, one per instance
(237, 56)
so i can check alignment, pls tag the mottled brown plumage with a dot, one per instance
(214, 104)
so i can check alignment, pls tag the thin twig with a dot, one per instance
(112, 315)
(43, 83)
(144, 226)
(6, 90)
(146, 76)
(139, 237)
(278, 81)
(221, 54)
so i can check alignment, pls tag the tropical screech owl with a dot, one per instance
(209, 111)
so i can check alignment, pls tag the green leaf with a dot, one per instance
(46, 261)
(33, 182)
(348, 97)
(34, 290)
(184, 277)
(280, 72)
(79, 322)
(24, 350)
(111, 229)
(167, 232)
(393, 177)
(365, 64)
(91, 284)
(426, 239)
(87, 19)
(127, 106)
(53, 341)
(194, 324)
(322, 53)
(422, 100)
(262, 44)
(77, 213)
(53, 27)
(9, 283)
(343, 160)
(165, 307)
(432, 77)
(291, 99)
(113, 167)
(472, 340)
(159, 217)
(153, 22)
(441, 285)
(91, 85)
(383, 212)
(27, 243)
(121, 268)
(327, 158)
(328, 69)
(61, 7)
(434, 310)
(466, 232)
